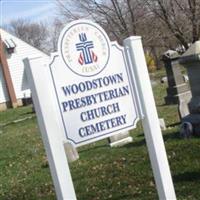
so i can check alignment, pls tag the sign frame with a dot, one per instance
(49, 122)
(110, 133)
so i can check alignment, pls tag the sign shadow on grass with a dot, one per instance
(169, 136)
(187, 176)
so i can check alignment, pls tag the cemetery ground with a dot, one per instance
(102, 172)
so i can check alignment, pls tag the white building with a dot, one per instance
(13, 82)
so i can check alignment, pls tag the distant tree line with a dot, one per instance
(163, 24)
(41, 35)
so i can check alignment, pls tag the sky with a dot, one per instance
(33, 10)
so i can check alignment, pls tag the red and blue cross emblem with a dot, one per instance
(87, 56)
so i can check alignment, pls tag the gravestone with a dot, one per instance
(162, 124)
(71, 152)
(178, 91)
(191, 60)
(120, 139)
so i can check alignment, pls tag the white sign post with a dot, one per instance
(150, 121)
(93, 89)
(43, 98)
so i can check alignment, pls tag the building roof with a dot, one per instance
(10, 40)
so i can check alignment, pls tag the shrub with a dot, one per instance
(150, 62)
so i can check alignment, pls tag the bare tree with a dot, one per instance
(163, 24)
(36, 34)
(180, 17)
(54, 31)
(170, 21)
(120, 18)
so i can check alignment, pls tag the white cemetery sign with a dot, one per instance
(92, 89)
(92, 84)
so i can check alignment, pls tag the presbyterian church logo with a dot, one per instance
(87, 56)
(84, 48)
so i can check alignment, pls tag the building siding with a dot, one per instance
(17, 68)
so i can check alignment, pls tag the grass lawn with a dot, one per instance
(102, 172)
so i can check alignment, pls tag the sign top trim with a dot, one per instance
(84, 48)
